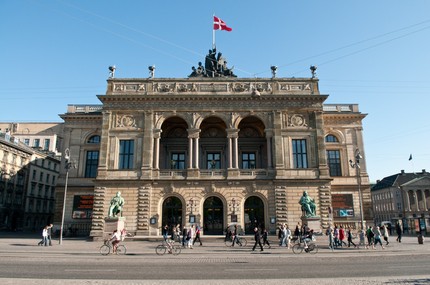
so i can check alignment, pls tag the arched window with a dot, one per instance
(94, 139)
(331, 139)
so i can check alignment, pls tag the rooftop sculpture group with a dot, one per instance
(215, 66)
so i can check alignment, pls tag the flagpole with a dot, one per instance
(213, 33)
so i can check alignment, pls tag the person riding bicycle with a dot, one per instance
(235, 236)
(307, 237)
(115, 239)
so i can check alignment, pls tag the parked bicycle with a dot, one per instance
(241, 241)
(168, 246)
(107, 247)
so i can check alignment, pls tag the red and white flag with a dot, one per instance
(220, 25)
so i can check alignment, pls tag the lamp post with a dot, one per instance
(356, 164)
(68, 165)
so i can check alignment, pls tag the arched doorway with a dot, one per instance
(172, 212)
(254, 214)
(213, 217)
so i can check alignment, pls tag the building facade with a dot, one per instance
(212, 151)
(403, 198)
(27, 185)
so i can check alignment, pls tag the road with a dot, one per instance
(23, 260)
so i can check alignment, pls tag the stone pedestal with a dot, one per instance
(111, 224)
(314, 223)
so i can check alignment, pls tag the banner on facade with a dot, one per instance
(343, 205)
(83, 206)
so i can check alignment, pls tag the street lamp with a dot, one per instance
(68, 165)
(356, 164)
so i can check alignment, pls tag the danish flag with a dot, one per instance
(220, 25)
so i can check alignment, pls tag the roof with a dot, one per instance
(398, 179)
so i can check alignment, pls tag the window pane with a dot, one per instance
(126, 154)
(177, 161)
(333, 160)
(249, 160)
(300, 159)
(91, 164)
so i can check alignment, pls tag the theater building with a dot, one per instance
(212, 149)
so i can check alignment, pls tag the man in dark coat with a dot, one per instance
(257, 239)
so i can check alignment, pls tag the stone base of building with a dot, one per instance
(314, 223)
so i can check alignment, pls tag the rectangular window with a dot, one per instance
(177, 161)
(213, 160)
(47, 178)
(126, 154)
(248, 160)
(36, 143)
(91, 164)
(47, 143)
(300, 156)
(41, 177)
(27, 141)
(333, 160)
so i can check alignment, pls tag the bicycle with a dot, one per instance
(306, 245)
(170, 247)
(106, 248)
(241, 241)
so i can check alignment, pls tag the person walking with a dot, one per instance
(399, 232)
(198, 231)
(283, 235)
(329, 233)
(349, 234)
(369, 236)
(184, 236)
(235, 236)
(378, 238)
(45, 236)
(336, 236)
(341, 236)
(257, 239)
(190, 236)
(264, 235)
(288, 236)
(50, 234)
(385, 234)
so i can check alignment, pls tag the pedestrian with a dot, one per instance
(377, 238)
(184, 236)
(280, 234)
(264, 235)
(283, 236)
(50, 234)
(190, 236)
(385, 234)
(399, 232)
(329, 233)
(341, 236)
(178, 233)
(257, 239)
(198, 231)
(287, 236)
(45, 236)
(297, 231)
(349, 233)
(336, 236)
(362, 236)
(369, 236)
(165, 232)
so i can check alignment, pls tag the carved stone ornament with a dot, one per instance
(298, 121)
(126, 121)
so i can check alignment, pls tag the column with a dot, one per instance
(236, 152)
(416, 199)
(230, 153)
(190, 152)
(269, 148)
(156, 156)
(196, 152)
(408, 203)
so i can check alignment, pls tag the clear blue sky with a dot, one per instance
(371, 53)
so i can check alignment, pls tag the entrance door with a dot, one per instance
(254, 214)
(213, 217)
(172, 212)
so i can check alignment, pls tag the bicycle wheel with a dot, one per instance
(313, 248)
(297, 248)
(176, 250)
(121, 249)
(243, 241)
(104, 249)
(228, 242)
(160, 249)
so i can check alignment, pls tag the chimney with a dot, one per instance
(424, 171)
(402, 172)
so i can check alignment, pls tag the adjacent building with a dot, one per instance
(27, 185)
(403, 198)
(212, 149)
